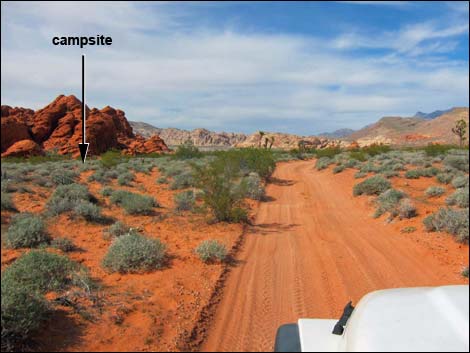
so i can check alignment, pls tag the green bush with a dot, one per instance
(459, 198)
(460, 181)
(358, 156)
(134, 203)
(338, 169)
(106, 191)
(23, 312)
(452, 221)
(211, 250)
(406, 209)
(329, 152)
(125, 178)
(88, 211)
(134, 253)
(66, 197)
(162, 180)
(117, 229)
(41, 271)
(375, 149)
(26, 230)
(187, 151)
(185, 201)
(388, 201)
(323, 163)
(63, 177)
(429, 172)
(254, 187)
(247, 160)
(434, 191)
(465, 272)
(360, 175)
(444, 178)
(372, 186)
(459, 162)
(182, 181)
(413, 174)
(390, 174)
(111, 158)
(7, 202)
(434, 150)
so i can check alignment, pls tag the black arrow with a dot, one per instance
(84, 145)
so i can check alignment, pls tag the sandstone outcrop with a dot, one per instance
(58, 127)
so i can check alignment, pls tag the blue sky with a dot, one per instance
(299, 67)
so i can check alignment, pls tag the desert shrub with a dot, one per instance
(64, 244)
(409, 229)
(26, 230)
(459, 162)
(387, 201)
(372, 186)
(247, 160)
(329, 152)
(434, 150)
(358, 156)
(63, 177)
(413, 174)
(125, 178)
(323, 163)
(162, 180)
(254, 187)
(111, 158)
(390, 174)
(66, 197)
(106, 191)
(117, 229)
(444, 178)
(23, 312)
(398, 167)
(429, 172)
(187, 151)
(374, 150)
(182, 181)
(338, 169)
(406, 209)
(219, 192)
(452, 221)
(459, 198)
(359, 175)
(41, 271)
(211, 250)
(369, 167)
(88, 211)
(133, 203)
(185, 200)
(134, 253)
(460, 181)
(434, 191)
(465, 272)
(7, 203)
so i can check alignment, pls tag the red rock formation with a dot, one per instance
(58, 127)
(23, 148)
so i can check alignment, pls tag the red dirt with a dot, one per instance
(154, 311)
(314, 247)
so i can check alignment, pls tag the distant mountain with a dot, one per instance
(412, 131)
(199, 137)
(337, 134)
(432, 115)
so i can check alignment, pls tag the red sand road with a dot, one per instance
(313, 248)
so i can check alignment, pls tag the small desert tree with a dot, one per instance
(261, 134)
(460, 129)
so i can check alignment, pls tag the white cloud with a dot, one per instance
(192, 76)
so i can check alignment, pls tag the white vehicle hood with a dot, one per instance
(406, 319)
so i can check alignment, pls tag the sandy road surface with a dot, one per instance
(313, 248)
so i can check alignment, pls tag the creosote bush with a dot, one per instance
(388, 201)
(211, 250)
(117, 229)
(323, 163)
(406, 209)
(66, 197)
(26, 230)
(134, 203)
(133, 252)
(460, 181)
(459, 198)
(254, 187)
(63, 177)
(88, 211)
(449, 220)
(372, 186)
(185, 200)
(434, 191)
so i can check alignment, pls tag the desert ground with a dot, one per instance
(310, 242)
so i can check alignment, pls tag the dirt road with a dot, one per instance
(313, 248)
